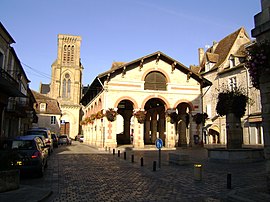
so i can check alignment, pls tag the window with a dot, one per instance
(53, 120)
(232, 83)
(68, 54)
(1, 60)
(42, 107)
(66, 88)
(155, 81)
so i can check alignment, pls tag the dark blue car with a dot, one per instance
(32, 154)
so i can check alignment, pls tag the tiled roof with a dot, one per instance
(52, 104)
(222, 49)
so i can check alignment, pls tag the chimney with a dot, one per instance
(214, 46)
(201, 54)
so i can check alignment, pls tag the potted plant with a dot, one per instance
(140, 115)
(111, 114)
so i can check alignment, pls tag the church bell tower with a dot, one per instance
(66, 82)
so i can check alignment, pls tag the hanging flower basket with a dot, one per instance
(140, 115)
(200, 118)
(88, 120)
(99, 115)
(171, 117)
(232, 101)
(82, 122)
(258, 60)
(111, 114)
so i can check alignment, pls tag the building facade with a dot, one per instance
(66, 83)
(262, 33)
(223, 65)
(137, 102)
(48, 112)
(16, 99)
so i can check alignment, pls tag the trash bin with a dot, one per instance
(198, 172)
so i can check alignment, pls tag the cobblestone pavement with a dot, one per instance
(78, 173)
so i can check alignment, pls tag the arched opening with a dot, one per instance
(183, 111)
(154, 126)
(125, 109)
(155, 81)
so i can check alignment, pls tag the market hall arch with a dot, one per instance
(182, 122)
(125, 109)
(155, 121)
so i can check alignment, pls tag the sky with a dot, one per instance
(119, 30)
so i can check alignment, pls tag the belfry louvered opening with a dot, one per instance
(155, 81)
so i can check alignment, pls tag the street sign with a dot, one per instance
(159, 143)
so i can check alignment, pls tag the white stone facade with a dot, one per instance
(126, 84)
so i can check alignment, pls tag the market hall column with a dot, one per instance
(138, 141)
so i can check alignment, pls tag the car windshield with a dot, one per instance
(22, 144)
(64, 136)
(37, 133)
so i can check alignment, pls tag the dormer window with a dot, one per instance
(42, 107)
(232, 61)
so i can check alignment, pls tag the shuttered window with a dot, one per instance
(155, 81)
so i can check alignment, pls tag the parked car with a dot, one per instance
(81, 138)
(55, 140)
(32, 154)
(47, 135)
(64, 139)
(77, 137)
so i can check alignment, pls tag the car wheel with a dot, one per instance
(41, 171)
(46, 164)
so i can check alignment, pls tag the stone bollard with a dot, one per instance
(197, 172)
(229, 181)
(154, 165)
(141, 161)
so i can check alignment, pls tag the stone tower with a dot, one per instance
(66, 82)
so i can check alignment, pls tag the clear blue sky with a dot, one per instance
(119, 30)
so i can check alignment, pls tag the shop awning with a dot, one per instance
(214, 128)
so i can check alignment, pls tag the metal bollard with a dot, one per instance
(132, 158)
(125, 155)
(141, 161)
(229, 181)
(113, 151)
(198, 172)
(154, 165)
(118, 153)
